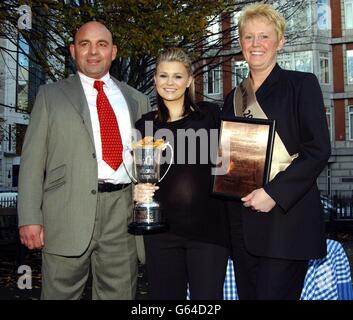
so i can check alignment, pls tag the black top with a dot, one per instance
(185, 192)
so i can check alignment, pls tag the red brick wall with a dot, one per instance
(336, 18)
(227, 77)
(226, 31)
(340, 128)
(338, 74)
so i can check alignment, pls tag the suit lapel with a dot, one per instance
(266, 89)
(73, 90)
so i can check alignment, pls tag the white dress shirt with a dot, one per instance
(121, 110)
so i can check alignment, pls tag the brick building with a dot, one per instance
(319, 40)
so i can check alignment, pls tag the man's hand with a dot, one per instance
(259, 201)
(32, 236)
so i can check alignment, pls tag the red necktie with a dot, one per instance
(112, 146)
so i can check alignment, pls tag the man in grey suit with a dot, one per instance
(73, 203)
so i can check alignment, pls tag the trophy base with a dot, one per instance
(144, 228)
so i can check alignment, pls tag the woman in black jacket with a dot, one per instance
(276, 229)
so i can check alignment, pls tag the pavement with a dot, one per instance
(14, 285)
(12, 278)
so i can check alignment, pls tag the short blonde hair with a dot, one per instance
(262, 11)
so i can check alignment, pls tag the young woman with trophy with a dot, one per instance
(193, 252)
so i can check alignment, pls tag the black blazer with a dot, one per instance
(294, 228)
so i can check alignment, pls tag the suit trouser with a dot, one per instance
(173, 262)
(263, 278)
(111, 256)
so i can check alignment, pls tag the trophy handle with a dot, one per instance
(126, 169)
(171, 160)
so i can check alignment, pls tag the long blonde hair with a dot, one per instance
(177, 55)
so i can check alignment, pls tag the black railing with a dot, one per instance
(339, 207)
(8, 202)
(8, 219)
(9, 238)
(338, 210)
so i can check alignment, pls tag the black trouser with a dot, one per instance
(173, 261)
(262, 278)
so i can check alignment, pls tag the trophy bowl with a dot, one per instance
(146, 160)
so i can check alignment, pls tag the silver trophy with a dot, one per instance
(146, 160)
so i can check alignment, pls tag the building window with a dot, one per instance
(240, 72)
(298, 17)
(2, 132)
(285, 61)
(348, 14)
(213, 80)
(324, 68)
(323, 15)
(350, 119)
(350, 66)
(213, 31)
(329, 121)
(299, 61)
(9, 145)
(328, 181)
(22, 77)
(235, 16)
(20, 135)
(303, 61)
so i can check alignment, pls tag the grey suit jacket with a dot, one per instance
(58, 173)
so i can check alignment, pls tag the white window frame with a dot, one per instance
(213, 78)
(349, 65)
(348, 14)
(329, 121)
(325, 73)
(350, 122)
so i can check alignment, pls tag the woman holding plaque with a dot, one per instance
(193, 253)
(276, 229)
